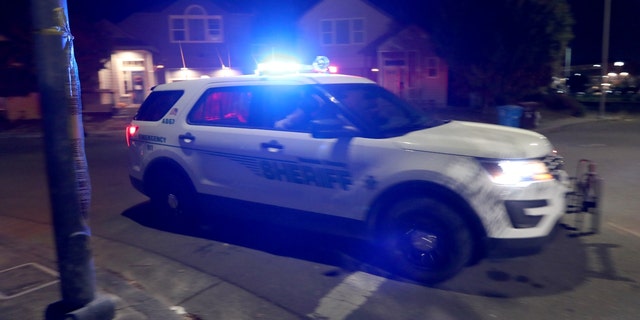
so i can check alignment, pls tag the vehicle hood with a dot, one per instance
(478, 140)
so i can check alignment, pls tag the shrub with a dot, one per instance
(563, 102)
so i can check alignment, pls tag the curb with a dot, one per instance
(558, 124)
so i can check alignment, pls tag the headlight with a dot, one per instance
(517, 171)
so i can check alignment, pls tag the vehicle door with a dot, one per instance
(336, 176)
(243, 142)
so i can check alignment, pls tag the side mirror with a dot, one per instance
(331, 129)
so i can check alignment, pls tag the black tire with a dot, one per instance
(426, 240)
(173, 195)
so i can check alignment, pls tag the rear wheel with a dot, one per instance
(173, 195)
(426, 240)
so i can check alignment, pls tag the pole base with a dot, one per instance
(103, 307)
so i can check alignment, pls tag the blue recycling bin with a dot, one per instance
(510, 115)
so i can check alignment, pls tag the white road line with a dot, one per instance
(37, 266)
(347, 297)
(624, 229)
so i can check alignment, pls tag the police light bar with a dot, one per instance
(278, 67)
(320, 64)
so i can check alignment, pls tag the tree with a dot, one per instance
(94, 47)
(501, 50)
(17, 74)
(17, 68)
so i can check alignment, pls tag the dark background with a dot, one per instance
(279, 16)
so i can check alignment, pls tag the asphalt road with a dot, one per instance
(306, 274)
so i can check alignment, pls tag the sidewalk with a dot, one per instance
(29, 280)
(143, 285)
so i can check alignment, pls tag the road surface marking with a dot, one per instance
(347, 297)
(32, 281)
(635, 233)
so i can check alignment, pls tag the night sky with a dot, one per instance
(586, 46)
(624, 35)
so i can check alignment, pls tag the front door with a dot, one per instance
(240, 148)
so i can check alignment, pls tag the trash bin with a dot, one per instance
(510, 115)
(530, 115)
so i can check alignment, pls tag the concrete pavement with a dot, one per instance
(129, 275)
(141, 284)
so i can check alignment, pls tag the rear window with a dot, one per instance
(157, 105)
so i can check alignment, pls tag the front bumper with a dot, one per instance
(507, 248)
(517, 212)
(522, 213)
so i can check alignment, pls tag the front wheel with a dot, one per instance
(426, 240)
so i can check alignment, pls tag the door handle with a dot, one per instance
(272, 146)
(187, 137)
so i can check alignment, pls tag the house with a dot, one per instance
(410, 67)
(361, 39)
(198, 38)
(194, 38)
(190, 39)
(185, 40)
(18, 101)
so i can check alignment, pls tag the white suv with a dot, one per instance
(435, 195)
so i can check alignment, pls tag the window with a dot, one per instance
(296, 107)
(326, 29)
(342, 31)
(157, 105)
(432, 67)
(133, 63)
(357, 30)
(222, 106)
(394, 58)
(196, 26)
(288, 108)
(376, 108)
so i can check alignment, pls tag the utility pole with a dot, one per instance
(67, 169)
(605, 55)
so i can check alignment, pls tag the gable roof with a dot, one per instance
(407, 37)
(345, 9)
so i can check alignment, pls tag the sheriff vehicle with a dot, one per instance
(434, 195)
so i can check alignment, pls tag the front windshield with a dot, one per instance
(377, 109)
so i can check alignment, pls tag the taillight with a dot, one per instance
(130, 132)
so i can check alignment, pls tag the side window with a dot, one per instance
(157, 105)
(222, 106)
(295, 107)
(278, 107)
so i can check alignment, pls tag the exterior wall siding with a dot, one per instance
(408, 74)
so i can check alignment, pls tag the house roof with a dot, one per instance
(403, 38)
(121, 39)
